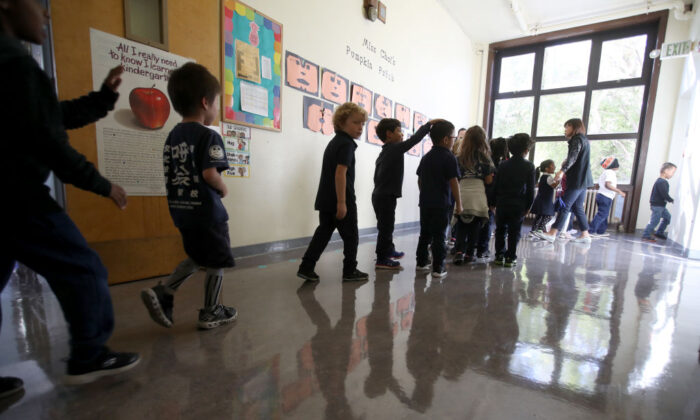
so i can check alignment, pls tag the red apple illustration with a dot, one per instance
(150, 106)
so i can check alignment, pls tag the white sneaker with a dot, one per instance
(426, 267)
(583, 240)
(439, 274)
(603, 235)
(546, 237)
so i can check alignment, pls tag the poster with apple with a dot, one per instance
(130, 139)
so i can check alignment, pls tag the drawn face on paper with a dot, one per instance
(415, 150)
(362, 96)
(302, 74)
(241, 171)
(327, 127)
(418, 120)
(403, 114)
(382, 106)
(334, 87)
(372, 133)
(427, 145)
(318, 115)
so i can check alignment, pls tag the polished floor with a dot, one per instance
(609, 330)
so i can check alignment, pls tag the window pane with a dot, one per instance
(557, 109)
(616, 110)
(516, 73)
(511, 116)
(555, 150)
(622, 58)
(623, 150)
(566, 65)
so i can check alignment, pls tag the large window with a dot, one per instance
(602, 78)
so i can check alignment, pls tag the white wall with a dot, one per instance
(433, 74)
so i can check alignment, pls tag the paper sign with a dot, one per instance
(247, 62)
(266, 67)
(253, 99)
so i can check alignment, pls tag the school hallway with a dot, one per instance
(573, 332)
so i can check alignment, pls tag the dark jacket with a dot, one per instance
(514, 186)
(544, 202)
(34, 133)
(388, 173)
(659, 194)
(577, 165)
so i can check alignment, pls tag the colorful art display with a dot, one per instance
(418, 120)
(427, 145)
(372, 137)
(237, 144)
(403, 114)
(318, 115)
(362, 97)
(382, 106)
(301, 74)
(252, 67)
(334, 87)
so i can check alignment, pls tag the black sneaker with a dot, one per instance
(469, 259)
(661, 236)
(397, 255)
(356, 275)
(387, 264)
(458, 259)
(499, 260)
(308, 275)
(108, 363)
(10, 386)
(159, 305)
(510, 262)
(484, 254)
(216, 316)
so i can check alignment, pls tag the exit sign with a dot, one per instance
(677, 49)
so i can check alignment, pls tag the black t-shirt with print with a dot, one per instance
(190, 149)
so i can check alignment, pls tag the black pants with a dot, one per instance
(384, 209)
(347, 228)
(485, 235)
(508, 222)
(433, 223)
(51, 245)
(467, 236)
(540, 222)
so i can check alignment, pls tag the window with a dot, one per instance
(514, 116)
(622, 58)
(616, 110)
(566, 65)
(516, 73)
(555, 109)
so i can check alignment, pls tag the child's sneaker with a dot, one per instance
(397, 255)
(547, 237)
(648, 239)
(387, 264)
(469, 259)
(426, 267)
(438, 274)
(483, 254)
(458, 259)
(499, 260)
(159, 305)
(510, 262)
(107, 363)
(661, 236)
(10, 385)
(308, 275)
(356, 275)
(216, 316)
(583, 240)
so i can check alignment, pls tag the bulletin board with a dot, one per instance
(251, 67)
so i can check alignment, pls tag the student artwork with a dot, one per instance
(418, 120)
(427, 145)
(372, 137)
(318, 115)
(382, 106)
(415, 150)
(301, 74)
(252, 67)
(237, 144)
(334, 87)
(361, 96)
(403, 114)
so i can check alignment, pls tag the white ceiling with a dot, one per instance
(486, 21)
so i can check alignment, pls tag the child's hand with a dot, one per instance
(342, 211)
(118, 195)
(114, 78)
(622, 194)
(458, 209)
(223, 191)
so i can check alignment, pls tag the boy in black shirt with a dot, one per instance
(335, 200)
(36, 231)
(659, 198)
(437, 180)
(514, 189)
(388, 180)
(193, 158)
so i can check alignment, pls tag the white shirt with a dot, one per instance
(610, 176)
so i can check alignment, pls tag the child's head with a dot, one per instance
(194, 92)
(350, 118)
(23, 19)
(574, 126)
(442, 133)
(667, 170)
(610, 162)
(499, 150)
(520, 144)
(389, 130)
(461, 133)
(547, 166)
(474, 148)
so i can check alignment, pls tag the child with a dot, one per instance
(543, 207)
(437, 182)
(335, 200)
(607, 188)
(388, 180)
(458, 143)
(36, 231)
(476, 171)
(499, 153)
(193, 158)
(659, 198)
(514, 190)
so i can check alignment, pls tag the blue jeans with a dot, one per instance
(600, 222)
(52, 246)
(573, 202)
(658, 213)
